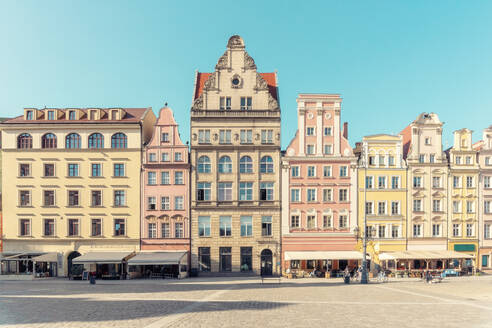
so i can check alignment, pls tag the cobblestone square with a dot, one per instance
(246, 302)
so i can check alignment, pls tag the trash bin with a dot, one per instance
(92, 279)
(346, 279)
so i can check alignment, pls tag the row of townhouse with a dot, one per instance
(117, 191)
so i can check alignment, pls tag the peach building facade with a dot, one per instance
(165, 222)
(485, 200)
(319, 190)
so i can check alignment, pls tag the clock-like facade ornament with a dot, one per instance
(236, 81)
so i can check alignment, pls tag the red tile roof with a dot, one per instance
(406, 133)
(270, 79)
(132, 115)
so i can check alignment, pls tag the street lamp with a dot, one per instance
(364, 235)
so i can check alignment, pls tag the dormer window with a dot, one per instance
(29, 115)
(92, 115)
(114, 115)
(165, 137)
(71, 115)
(51, 115)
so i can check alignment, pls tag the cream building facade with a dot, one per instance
(74, 183)
(428, 184)
(463, 196)
(235, 159)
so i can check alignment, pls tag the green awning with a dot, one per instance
(464, 247)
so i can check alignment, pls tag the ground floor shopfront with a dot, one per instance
(485, 259)
(469, 247)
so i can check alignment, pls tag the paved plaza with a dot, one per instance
(245, 302)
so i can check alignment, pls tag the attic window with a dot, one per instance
(51, 115)
(92, 115)
(29, 115)
(114, 115)
(71, 115)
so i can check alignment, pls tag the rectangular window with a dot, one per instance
(164, 157)
(96, 227)
(381, 208)
(294, 171)
(468, 160)
(456, 206)
(152, 157)
(29, 115)
(326, 171)
(369, 208)
(436, 230)
(49, 198)
(417, 182)
(165, 180)
(311, 171)
(295, 195)
(417, 205)
(311, 195)
(225, 226)
(369, 182)
(310, 131)
(165, 203)
(469, 182)
(327, 149)
(342, 221)
(486, 231)
(246, 191)
(179, 203)
(24, 227)
(73, 170)
(456, 230)
(246, 136)
(395, 231)
(436, 182)
(152, 230)
(246, 103)
(165, 230)
(151, 178)
(246, 259)
(458, 159)
(49, 170)
(24, 170)
(178, 178)
(203, 136)
(224, 191)
(391, 160)
(310, 149)
(432, 158)
(266, 226)
(266, 136)
(436, 205)
(119, 198)
(381, 182)
(427, 140)
(119, 227)
(486, 182)
(73, 198)
(311, 221)
(486, 207)
(372, 160)
(96, 170)
(178, 230)
(73, 227)
(381, 160)
(119, 170)
(488, 161)
(266, 191)
(204, 259)
(294, 221)
(327, 131)
(151, 203)
(469, 230)
(246, 226)
(49, 227)
(343, 171)
(327, 223)
(395, 182)
(225, 136)
(456, 182)
(470, 206)
(24, 198)
(382, 231)
(417, 230)
(204, 226)
(225, 259)
(421, 158)
(165, 137)
(327, 195)
(343, 193)
(96, 198)
(203, 191)
(395, 208)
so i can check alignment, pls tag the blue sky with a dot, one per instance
(390, 60)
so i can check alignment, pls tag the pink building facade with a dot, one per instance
(165, 196)
(319, 186)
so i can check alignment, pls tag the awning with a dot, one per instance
(424, 255)
(18, 256)
(329, 255)
(102, 257)
(48, 257)
(156, 258)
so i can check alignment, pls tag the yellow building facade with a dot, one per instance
(463, 196)
(382, 188)
(73, 184)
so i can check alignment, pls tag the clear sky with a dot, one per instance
(390, 60)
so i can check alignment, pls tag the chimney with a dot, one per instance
(345, 130)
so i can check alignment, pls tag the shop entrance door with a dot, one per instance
(266, 262)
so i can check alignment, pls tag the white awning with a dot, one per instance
(328, 255)
(102, 257)
(424, 255)
(157, 258)
(48, 257)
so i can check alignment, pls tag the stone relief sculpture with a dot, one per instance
(223, 61)
(249, 62)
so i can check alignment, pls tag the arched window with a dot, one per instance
(96, 140)
(118, 140)
(266, 164)
(24, 141)
(204, 164)
(72, 141)
(48, 141)
(225, 164)
(246, 165)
